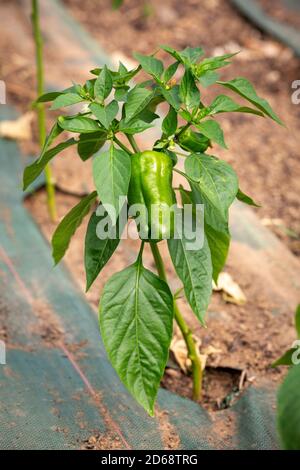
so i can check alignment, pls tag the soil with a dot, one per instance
(266, 158)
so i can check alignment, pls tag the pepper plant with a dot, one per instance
(137, 307)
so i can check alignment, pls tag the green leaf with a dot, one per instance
(205, 70)
(187, 56)
(219, 242)
(150, 64)
(288, 410)
(194, 268)
(49, 96)
(212, 130)
(246, 199)
(68, 226)
(213, 63)
(137, 100)
(224, 104)
(121, 93)
(169, 124)
(216, 179)
(286, 358)
(208, 78)
(172, 96)
(133, 127)
(89, 144)
(121, 77)
(190, 55)
(297, 321)
(136, 322)
(97, 252)
(172, 52)
(244, 88)
(105, 114)
(89, 87)
(81, 124)
(103, 85)
(55, 132)
(111, 172)
(170, 71)
(66, 99)
(32, 171)
(189, 92)
(216, 188)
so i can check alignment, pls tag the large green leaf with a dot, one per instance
(111, 171)
(133, 127)
(169, 124)
(189, 93)
(216, 231)
(288, 410)
(136, 317)
(216, 179)
(215, 186)
(105, 114)
(66, 99)
(244, 88)
(150, 64)
(52, 95)
(194, 268)
(80, 124)
(32, 171)
(68, 226)
(89, 144)
(103, 85)
(224, 104)
(213, 131)
(97, 251)
(137, 100)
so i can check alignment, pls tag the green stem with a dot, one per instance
(122, 146)
(133, 143)
(40, 106)
(183, 174)
(185, 330)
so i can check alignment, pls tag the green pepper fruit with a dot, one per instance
(151, 187)
(193, 141)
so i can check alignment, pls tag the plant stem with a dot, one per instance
(122, 146)
(133, 143)
(40, 106)
(185, 330)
